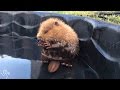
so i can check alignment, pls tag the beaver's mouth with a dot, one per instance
(40, 42)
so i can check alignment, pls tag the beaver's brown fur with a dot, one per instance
(59, 40)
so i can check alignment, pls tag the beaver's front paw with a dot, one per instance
(47, 45)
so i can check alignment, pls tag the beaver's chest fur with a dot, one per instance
(55, 57)
(57, 54)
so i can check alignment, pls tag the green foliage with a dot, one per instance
(115, 19)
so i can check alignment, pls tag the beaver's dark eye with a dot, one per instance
(56, 23)
(46, 31)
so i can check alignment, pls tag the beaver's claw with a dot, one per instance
(47, 45)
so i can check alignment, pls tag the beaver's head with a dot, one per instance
(51, 28)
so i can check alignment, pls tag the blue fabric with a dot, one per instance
(14, 68)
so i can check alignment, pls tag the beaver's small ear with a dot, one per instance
(56, 23)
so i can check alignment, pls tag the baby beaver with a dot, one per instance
(59, 42)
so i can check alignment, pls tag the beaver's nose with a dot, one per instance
(38, 37)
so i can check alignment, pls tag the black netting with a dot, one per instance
(17, 35)
(27, 19)
(83, 29)
(5, 18)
